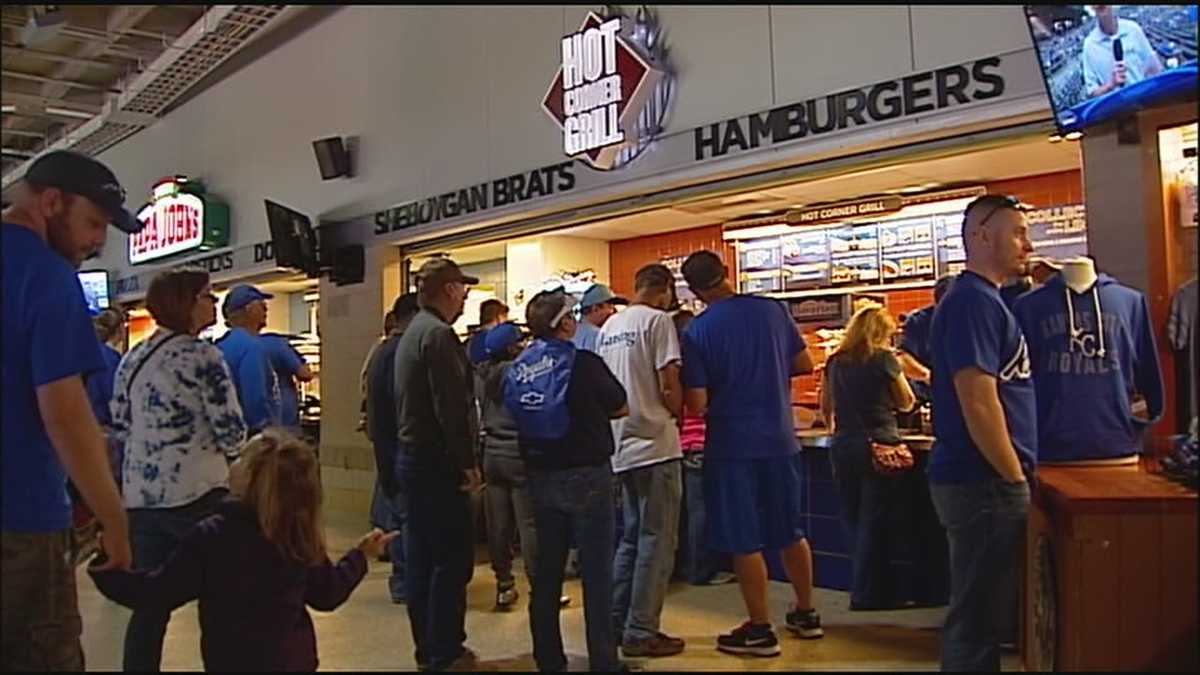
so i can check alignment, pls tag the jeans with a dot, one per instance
(41, 622)
(154, 534)
(866, 498)
(646, 555)
(984, 522)
(390, 515)
(509, 511)
(579, 500)
(439, 543)
(700, 563)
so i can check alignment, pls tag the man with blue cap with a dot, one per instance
(597, 304)
(245, 311)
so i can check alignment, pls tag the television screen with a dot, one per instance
(1104, 61)
(293, 238)
(95, 290)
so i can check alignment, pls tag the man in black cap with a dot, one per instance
(437, 426)
(59, 218)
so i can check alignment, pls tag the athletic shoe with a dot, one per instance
(721, 578)
(505, 597)
(659, 645)
(805, 623)
(564, 601)
(750, 639)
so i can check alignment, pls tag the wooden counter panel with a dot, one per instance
(1096, 490)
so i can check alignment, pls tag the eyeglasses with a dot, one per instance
(1001, 202)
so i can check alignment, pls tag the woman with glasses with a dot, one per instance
(176, 411)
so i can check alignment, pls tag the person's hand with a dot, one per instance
(473, 481)
(374, 542)
(115, 552)
(1118, 75)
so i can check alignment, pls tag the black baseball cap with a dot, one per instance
(443, 271)
(79, 174)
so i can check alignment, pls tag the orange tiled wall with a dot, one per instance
(627, 255)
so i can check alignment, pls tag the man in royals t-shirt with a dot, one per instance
(738, 360)
(985, 420)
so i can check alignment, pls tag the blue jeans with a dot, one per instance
(390, 514)
(700, 562)
(866, 498)
(439, 543)
(646, 555)
(579, 500)
(154, 534)
(984, 522)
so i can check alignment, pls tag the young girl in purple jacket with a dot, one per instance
(255, 564)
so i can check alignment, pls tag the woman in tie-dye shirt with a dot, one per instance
(176, 410)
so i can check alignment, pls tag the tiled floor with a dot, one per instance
(370, 633)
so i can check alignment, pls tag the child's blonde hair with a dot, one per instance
(280, 483)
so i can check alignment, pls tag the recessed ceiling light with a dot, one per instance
(911, 189)
(9, 108)
(65, 112)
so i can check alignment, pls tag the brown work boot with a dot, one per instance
(659, 645)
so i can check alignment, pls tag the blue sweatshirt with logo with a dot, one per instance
(1087, 370)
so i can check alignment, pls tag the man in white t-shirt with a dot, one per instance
(641, 348)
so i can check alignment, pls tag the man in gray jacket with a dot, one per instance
(436, 424)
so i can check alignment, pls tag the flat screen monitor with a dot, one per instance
(293, 238)
(95, 290)
(1101, 62)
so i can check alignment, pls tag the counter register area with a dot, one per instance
(1097, 515)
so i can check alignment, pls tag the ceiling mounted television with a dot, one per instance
(1101, 62)
(95, 290)
(293, 238)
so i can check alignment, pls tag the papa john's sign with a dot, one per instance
(612, 89)
(180, 217)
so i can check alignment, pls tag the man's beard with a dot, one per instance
(57, 234)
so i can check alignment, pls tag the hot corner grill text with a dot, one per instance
(500, 192)
(911, 95)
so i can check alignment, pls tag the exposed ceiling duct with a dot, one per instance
(217, 35)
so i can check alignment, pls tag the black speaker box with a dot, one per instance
(333, 159)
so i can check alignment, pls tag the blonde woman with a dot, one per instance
(863, 387)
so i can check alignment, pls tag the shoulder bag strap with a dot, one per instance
(138, 369)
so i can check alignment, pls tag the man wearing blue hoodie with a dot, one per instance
(1092, 354)
(245, 311)
(985, 419)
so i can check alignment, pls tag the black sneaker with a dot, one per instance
(805, 623)
(750, 639)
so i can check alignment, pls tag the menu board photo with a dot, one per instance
(1058, 232)
(951, 256)
(854, 254)
(758, 266)
(805, 260)
(906, 250)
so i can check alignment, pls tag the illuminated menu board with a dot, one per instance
(906, 249)
(854, 255)
(951, 256)
(805, 260)
(758, 265)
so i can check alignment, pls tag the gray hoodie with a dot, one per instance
(499, 429)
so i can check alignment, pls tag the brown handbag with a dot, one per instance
(890, 459)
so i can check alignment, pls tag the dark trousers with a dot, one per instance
(866, 498)
(41, 623)
(439, 543)
(509, 510)
(155, 533)
(579, 500)
(700, 563)
(390, 513)
(984, 521)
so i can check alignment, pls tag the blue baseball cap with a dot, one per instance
(600, 294)
(240, 296)
(501, 337)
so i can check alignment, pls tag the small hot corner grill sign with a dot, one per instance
(180, 217)
(612, 89)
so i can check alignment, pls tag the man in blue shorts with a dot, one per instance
(739, 357)
(985, 421)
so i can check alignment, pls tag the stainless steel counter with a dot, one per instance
(821, 439)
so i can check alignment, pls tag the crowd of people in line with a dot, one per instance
(215, 499)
